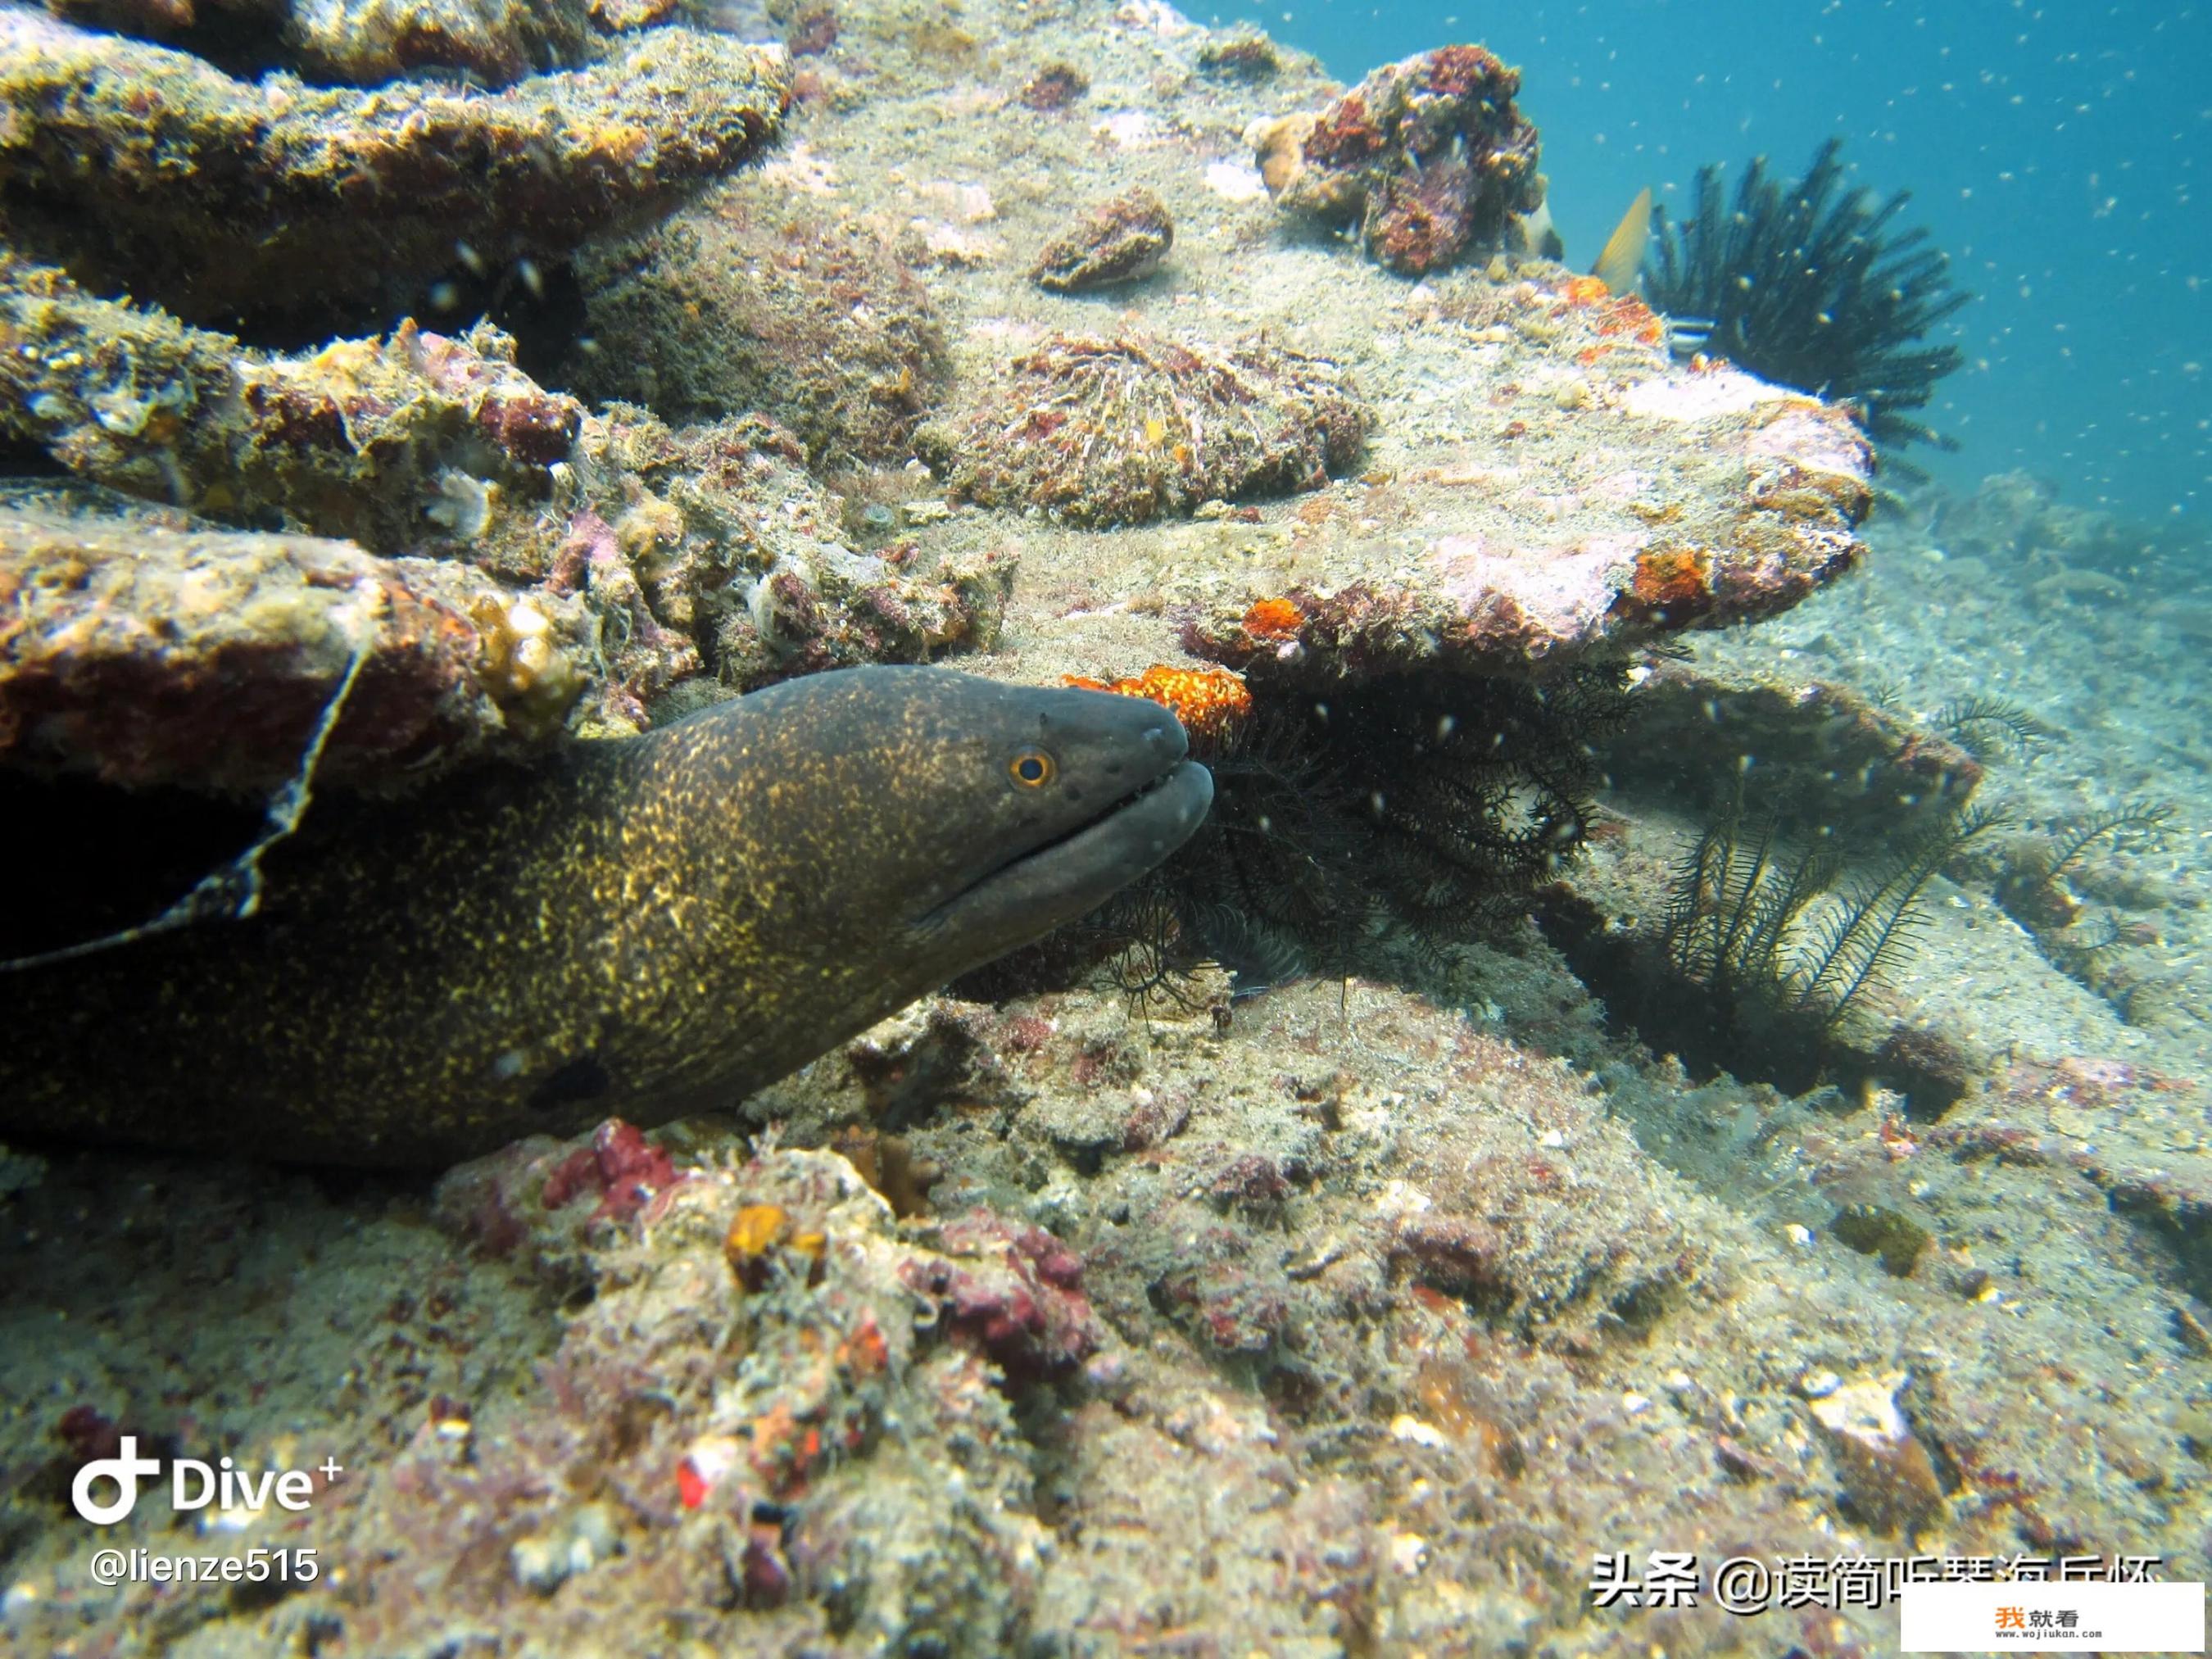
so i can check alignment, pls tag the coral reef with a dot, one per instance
(1556, 549)
(1316, 1316)
(1118, 241)
(1805, 283)
(2018, 518)
(493, 43)
(542, 562)
(1095, 431)
(757, 1419)
(392, 442)
(141, 169)
(733, 551)
(1465, 1305)
(148, 653)
(1428, 156)
(813, 30)
(819, 1369)
(746, 302)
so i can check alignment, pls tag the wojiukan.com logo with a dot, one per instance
(193, 1485)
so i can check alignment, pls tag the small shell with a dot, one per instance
(1119, 241)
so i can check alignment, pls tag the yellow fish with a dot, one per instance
(1622, 257)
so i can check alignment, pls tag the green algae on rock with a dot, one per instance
(1095, 431)
(657, 925)
(143, 169)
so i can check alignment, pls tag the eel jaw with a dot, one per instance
(1066, 877)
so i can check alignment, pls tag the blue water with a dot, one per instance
(2056, 151)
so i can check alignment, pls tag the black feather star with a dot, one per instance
(1354, 829)
(1807, 284)
(1433, 808)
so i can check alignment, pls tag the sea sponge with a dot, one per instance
(1212, 704)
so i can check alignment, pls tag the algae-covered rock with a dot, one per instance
(800, 1416)
(731, 544)
(1120, 241)
(1429, 157)
(493, 42)
(568, 566)
(393, 442)
(147, 647)
(490, 42)
(146, 654)
(749, 301)
(141, 169)
(1095, 431)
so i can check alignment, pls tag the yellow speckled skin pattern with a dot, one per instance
(645, 927)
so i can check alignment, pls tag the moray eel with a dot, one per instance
(646, 927)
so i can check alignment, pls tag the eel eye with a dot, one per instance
(1032, 769)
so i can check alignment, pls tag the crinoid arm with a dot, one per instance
(1807, 283)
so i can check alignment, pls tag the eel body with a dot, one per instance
(646, 927)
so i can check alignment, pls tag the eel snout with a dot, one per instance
(1129, 798)
(1079, 871)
